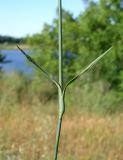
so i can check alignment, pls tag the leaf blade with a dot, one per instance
(87, 68)
(39, 67)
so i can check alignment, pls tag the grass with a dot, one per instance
(92, 126)
(29, 133)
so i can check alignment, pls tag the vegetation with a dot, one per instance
(85, 37)
(10, 40)
(28, 133)
(26, 91)
(92, 126)
(2, 60)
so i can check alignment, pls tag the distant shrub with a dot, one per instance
(94, 97)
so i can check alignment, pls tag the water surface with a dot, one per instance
(17, 61)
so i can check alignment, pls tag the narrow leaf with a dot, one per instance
(38, 66)
(87, 68)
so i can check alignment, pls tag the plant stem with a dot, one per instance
(60, 46)
(61, 113)
(60, 90)
(58, 137)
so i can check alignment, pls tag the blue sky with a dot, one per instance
(25, 17)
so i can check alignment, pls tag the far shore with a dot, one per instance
(13, 46)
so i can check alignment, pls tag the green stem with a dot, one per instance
(60, 90)
(61, 113)
(60, 46)
(58, 137)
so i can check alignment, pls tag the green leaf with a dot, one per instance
(39, 67)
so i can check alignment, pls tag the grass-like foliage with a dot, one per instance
(25, 133)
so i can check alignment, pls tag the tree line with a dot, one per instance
(9, 40)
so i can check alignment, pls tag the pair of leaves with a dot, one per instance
(73, 79)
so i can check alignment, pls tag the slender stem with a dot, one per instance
(58, 137)
(60, 46)
(61, 113)
(60, 90)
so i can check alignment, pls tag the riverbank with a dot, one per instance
(12, 46)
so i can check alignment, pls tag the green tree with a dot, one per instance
(85, 38)
(101, 27)
(46, 45)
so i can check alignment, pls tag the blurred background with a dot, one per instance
(28, 101)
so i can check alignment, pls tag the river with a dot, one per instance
(17, 62)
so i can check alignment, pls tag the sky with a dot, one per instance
(20, 18)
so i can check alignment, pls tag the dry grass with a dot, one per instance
(29, 134)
